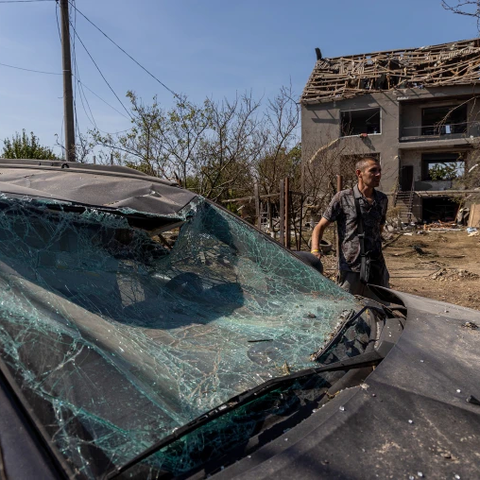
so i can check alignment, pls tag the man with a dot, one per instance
(342, 209)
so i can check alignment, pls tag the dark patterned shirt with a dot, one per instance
(342, 210)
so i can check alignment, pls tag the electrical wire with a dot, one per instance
(126, 53)
(104, 101)
(29, 70)
(77, 79)
(99, 71)
(85, 103)
(25, 1)
(58, 22)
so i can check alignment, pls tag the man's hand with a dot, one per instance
(317, 236)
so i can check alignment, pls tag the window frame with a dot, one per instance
(356, 111)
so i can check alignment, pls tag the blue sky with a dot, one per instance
(200, 48)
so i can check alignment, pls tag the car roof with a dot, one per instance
(115, 187)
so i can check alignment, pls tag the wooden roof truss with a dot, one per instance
(456, 63)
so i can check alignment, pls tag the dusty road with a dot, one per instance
(440, 265)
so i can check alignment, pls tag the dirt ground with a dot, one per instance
(444, 265)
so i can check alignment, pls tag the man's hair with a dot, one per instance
(363, 163)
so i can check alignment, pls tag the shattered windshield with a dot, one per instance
(121, 327)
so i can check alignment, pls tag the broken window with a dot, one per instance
(442, 166)
(356, 122)
(444, 120)
(120, 327)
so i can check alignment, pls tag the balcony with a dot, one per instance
(442, 126)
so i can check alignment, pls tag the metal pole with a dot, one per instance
(67, 83)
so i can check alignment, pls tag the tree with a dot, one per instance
(469, 8)
(217, 148)
(24, 147)
(207, 148)
(445, 170)
(233, 142)
(470, 180)
(83, 147)
(140, 147)
(160, 143)
(281, 143)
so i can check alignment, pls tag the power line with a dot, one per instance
(25, 1)
(104, 101)
(83, 97)
(126, 53)
(28, 69)
(100, 72)
(78, 80)
(58, 22)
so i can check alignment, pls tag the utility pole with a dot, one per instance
(67, 83)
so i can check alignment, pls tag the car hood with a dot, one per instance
(91, 185)
(409, 419)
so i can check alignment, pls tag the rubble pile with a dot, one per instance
(439, 225)
(453, 274)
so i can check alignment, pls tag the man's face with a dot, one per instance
(371, 174)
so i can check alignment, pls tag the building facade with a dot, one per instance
(417, 110)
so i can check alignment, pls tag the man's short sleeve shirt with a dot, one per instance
(342, 210)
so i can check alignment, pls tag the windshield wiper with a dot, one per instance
(367, 359)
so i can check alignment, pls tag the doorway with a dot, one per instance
(406, 178)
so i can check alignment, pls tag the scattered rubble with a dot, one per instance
(453, 274)
(439, 225)
(470, 325)
(419, 250)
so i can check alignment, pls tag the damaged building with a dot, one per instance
(415, 109)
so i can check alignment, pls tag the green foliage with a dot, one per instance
(444, 171)
(24, 147)
(213, 148)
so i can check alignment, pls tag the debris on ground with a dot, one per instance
(453, 274)
(470, 325)
(441, 225)
(418, 249)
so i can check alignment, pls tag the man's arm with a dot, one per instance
(317, 235)
(384, 215)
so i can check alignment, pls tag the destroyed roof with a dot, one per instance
(455, 63)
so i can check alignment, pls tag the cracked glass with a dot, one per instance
(120, 327)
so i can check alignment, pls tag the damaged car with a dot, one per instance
(146, 332)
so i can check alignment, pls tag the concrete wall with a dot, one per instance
(414, 158)
(399, 109)
(321, 126)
